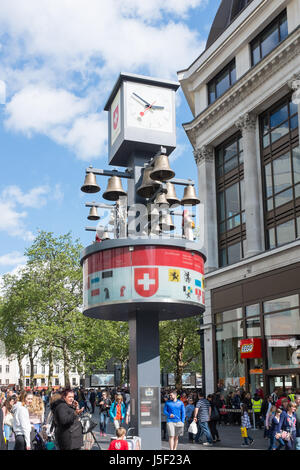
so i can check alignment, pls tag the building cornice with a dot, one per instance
(246, 85)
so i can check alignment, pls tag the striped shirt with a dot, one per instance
(203, 406)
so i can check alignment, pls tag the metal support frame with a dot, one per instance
(127, 174)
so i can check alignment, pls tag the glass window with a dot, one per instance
(269, 38)
(229, 315)
(253, 327)
(221, 206)
(279, 132)
(296, 164)
(282, 303)
(278, 116)
(282, 332)
(252, 310)
(230, 364)
(285, 232)
(232, 200)
(234, 253)
(269, 182)
(221, 82)
(281, 174)
(284, 198)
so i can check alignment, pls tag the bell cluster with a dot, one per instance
(157, 188)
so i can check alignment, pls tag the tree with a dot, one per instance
(180, 347)
(55, 262)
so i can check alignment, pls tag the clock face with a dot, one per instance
(149, 107)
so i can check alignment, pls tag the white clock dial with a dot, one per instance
(149, 107)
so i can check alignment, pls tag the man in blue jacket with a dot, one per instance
(175, 413)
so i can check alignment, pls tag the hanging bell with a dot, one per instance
(90, 184)
(105, 236)
(162, 170)
(161, 199)
(93, 215)
(148, 186)
(166, 223)
(171, 194)
(114, 189)
(189, 196)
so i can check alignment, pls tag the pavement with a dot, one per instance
(230, 439)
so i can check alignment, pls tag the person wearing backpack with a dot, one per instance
(214, 418)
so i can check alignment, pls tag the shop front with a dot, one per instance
(257, 332)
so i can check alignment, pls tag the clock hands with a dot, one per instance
(147, 105)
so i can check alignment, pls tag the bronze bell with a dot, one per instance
(148, 186)
(90, 184)
(114, 189)
(161, 199)
(162, 170)
(93, 215)
(189, 196)
(166, 223)
(171, 194)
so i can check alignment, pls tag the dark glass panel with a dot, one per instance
(269, 40)
(278, 116)
(282, 172)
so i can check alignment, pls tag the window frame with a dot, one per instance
(228, 68)
(258, 37)
(230, 236)
(289, 211)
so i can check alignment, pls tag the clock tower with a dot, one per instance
(141, 117)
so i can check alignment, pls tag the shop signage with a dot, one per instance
(250, 348)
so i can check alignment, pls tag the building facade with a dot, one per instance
(10, 373)
(244, 93)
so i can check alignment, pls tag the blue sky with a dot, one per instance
(59, 60)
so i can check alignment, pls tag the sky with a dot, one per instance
(59, 60)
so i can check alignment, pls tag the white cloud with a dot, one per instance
(40, 109)
(12, 220)
(12, 259)
(34, 198)
(62, 57)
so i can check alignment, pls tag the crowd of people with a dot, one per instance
(35, 420)
(278, 414)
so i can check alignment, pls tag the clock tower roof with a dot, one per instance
(138, 79)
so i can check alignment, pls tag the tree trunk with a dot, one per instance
(21, 379)
(50, 373)
(31, 361)
(66, 367)
(179, 363)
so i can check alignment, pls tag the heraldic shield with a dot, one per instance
(146, 281)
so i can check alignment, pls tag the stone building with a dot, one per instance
(244, 93)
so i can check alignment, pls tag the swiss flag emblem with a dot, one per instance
(116, 117)
(146, 281)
